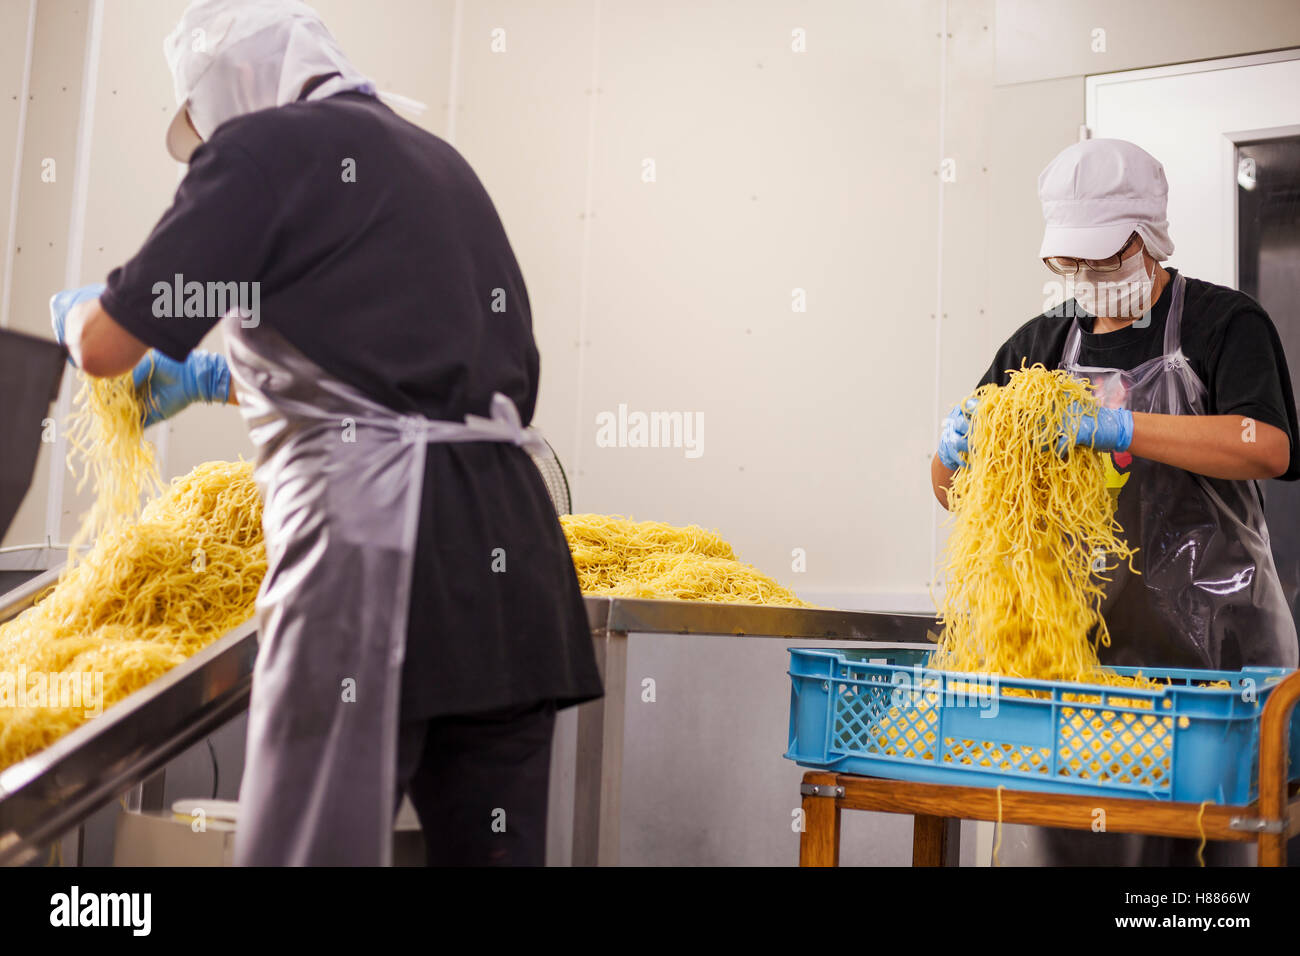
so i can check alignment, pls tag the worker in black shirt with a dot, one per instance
(1197, 407)
(420, 620)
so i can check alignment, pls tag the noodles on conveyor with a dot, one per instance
(156, 586)
(616, 556)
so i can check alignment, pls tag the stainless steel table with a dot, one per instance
(599, 769)
(54, 790)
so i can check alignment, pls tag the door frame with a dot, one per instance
(1231, 138)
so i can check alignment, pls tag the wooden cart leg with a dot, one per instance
(819, 844)
(1274, 745)
(936, 841)
(1272, 849)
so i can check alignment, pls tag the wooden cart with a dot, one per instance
(939, 809)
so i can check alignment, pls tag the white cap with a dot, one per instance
(1097, 193)
(231, 57)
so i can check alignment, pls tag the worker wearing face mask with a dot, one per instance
(420, 620)
(1197, 409)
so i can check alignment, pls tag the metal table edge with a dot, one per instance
(652, 616)
(35, 804)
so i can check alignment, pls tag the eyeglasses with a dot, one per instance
(1068, 265)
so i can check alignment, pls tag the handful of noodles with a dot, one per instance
(158, 585)
(1030, 527)
(106, 432)
(648, 559)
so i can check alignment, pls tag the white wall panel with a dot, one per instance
(967, 268)
(524, 122)
(44, 208)
(15, 20)
(1044, 39)
(1031, 123)
(775, 171)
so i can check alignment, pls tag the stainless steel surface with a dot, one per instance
(26, 570)
(30, 371)
(553, 476)
(820, 790)
(55, 789)
(1257, 825)
(599, 762)
(641, 616)
(14, 602)
(32, 557)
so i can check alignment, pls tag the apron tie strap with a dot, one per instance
(505, 422)
(504, 425)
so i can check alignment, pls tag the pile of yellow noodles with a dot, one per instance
(647, 559)
(1033, 531)
(1030, 530)
(150, 592)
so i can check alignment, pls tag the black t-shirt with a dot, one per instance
(388, 282)
(379, 255)
(1227, 338)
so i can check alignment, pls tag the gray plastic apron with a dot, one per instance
(341, 478)
(1208, 595)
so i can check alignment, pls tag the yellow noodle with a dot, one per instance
(1021, 594)
(151, 591)
(1200, 825)
(997, 842)
(648, 559)
(106, 432)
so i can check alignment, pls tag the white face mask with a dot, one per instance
(1123, 294)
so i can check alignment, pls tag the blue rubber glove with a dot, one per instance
(166, 386)
(1110, 429)
(955, 440)
(61, 304)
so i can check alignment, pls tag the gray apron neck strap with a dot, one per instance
(1070, 355)
(1174, 321)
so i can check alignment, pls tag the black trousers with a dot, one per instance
(479, 784)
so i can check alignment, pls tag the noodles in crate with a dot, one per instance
(647, 559)
(1030, 529)
(156, 586)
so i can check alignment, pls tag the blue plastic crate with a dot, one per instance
(880, 712)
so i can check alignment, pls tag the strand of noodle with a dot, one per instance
(997, 840)
(1200, 825)
(106, 432)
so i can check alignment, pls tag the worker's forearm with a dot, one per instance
(940, 479)
(98, 345)
(1217, 446)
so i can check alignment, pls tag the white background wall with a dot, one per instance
(775, 170)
